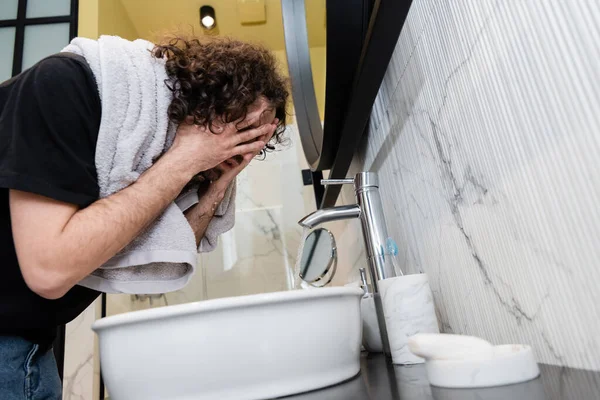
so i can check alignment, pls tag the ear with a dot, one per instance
(217, 126)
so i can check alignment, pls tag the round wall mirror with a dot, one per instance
(319, 258)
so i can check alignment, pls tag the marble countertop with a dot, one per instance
(381, 381)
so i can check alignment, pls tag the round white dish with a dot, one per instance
(512, 363)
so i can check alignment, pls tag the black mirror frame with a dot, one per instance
(361, 38)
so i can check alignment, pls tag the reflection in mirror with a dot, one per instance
(319, 258)
(316, 23)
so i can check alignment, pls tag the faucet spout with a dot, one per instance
(330, 214)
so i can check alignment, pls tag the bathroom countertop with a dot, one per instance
(381, 381)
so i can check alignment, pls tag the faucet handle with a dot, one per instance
(363, 281)
(326, 182)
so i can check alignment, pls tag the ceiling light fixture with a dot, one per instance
(207, 17)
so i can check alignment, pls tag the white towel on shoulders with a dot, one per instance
(134, 132)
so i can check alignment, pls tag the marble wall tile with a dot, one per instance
(80, 371)
(261, 264)
(271, 200)
(485, 136)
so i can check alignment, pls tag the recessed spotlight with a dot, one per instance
(207, 17)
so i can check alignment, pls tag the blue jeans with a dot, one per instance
(27, 372)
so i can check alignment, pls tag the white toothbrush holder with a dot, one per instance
(408, 309)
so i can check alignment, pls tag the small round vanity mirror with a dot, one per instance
(319, 258)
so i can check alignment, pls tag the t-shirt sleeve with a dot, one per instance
(48, 131)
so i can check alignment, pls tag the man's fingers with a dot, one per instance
(250, 120)
(251, 134)
(272, 131)
(230, 163)
(246, 160)
(233, 171)
(253, 147)
(269, 135)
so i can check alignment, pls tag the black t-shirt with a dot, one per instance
(49, 122)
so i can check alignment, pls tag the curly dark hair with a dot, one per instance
(218, 79)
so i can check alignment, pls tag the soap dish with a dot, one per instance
(509, 364)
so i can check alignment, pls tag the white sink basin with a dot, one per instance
(243, 348)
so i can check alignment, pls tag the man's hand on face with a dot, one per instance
(201, 148)
(219, 178)
(260, 115)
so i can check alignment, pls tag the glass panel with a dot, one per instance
(47, 8)
(42, 41)
(7, 48)
(8, 9)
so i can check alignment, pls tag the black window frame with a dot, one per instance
(22, 21)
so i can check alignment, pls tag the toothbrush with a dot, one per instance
(392, 249)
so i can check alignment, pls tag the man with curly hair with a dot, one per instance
(229, 103)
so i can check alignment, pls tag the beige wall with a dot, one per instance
(105, 17)
(88, 19)
(114, 20)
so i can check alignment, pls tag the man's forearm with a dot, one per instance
(210, 195)
(125, 214)
(91, 236)
(199, 217)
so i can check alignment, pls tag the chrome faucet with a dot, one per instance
(370, 212)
